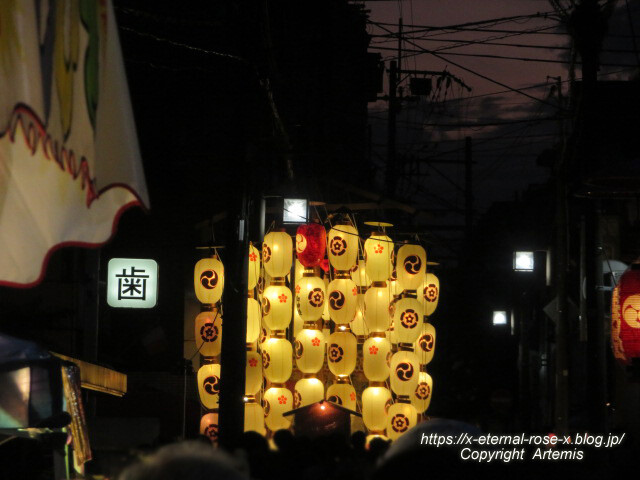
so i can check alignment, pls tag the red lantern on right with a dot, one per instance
(625, 316)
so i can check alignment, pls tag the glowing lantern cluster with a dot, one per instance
(625, 316)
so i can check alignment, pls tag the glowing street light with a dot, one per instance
(523, 261)
(499, 317)
(295, 210)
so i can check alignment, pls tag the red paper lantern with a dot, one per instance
(625, 315)
(311, 243)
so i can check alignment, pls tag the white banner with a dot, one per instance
(69, 158)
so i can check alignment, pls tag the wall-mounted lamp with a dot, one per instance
(523, 261)
(499, 317)
(294, 210)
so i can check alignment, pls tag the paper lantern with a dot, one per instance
(407, 319)
(277, 359)
(425, 345)
(254, 267)
(378, 250)
(375, 405)
(411, 266)
(309, 350)
(209, 385)
(394, 288)
(276, 401)
(277, 307)
(421, 398)
(391, 334)
(376, 354)
(342, 247)
(376, 311)
(342, 349)
(629, 301)
(208, 333)
(400, 418)
(253, 380)
(254, 320)
(254, 418)
(298, 323)
(404, 371)
(359, 274)
(358, 325)
(208, 280)
(265, 333)
(209, 426)
(342, 394)
(311, 244)
(430, 293)
(277, 254)
(326, 316)
(342, 299)
(264, 280)
(307, 391)
(310, 297)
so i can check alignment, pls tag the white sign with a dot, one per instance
(132, 283)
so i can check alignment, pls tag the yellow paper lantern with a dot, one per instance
(298, 323)
(307, 391)
(309, 350)
(208, 333)
(277, 359)
(208, 280)
(209, 385)
(358, 325)
(209, 426)
(430, 293)
(421, 398)
(375, 405)
(277, 307)
(391, 334)
(400, 418)
(342, 300)
(376, 355)
(378, 250)
(342, 349)
(277, 253)
(411, 266)
(425, 345)
(310, 297)
(253, 380)
(254, 418)
(265, 333)
(376, 311)
(264, 280)
(404, 371)
(254, 267)
(326, 316)
(342, 246)
(297, 271)
(342, 394)
(277, 400)
(359, 274)
(254, 320)
(407, 319)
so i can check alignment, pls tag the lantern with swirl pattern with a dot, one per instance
(628, 315)
(311, 243)
(208, 280)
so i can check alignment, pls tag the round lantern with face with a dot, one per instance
(374, 354)
(209, 385)
(342, 349)
(253, 380)
(421, 398)
(277, 307)
(309, 350)
(208, 333)
(254, 267)
(311, 243)
(277, 400)
(404, 372)
(342, 300)
(342, 246)
(254, 418)
(375, 405)
(277, 359)
(378, 250)
(407, 320)
(307, 391)
(208, 280)
(277, 254)
(425, 345)
(209, 427)
(400, 418)
(411, 266)
(429, 293)
(343, 394)
(254, 320)
(629, 300)
(310, 298)
(376, 308)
